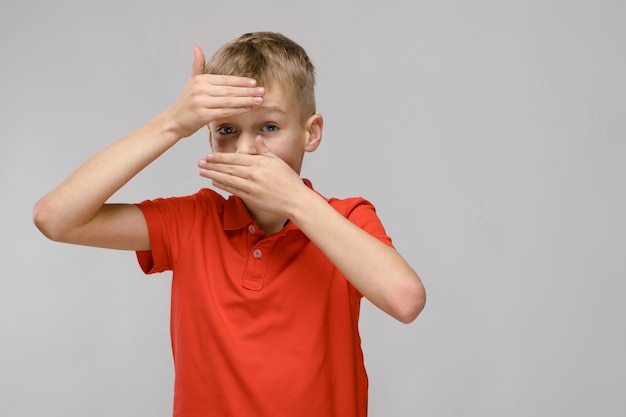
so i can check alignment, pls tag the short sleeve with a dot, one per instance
(363, 214)
(158, 258)
(170, 223)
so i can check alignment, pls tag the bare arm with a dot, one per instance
(268, 184)
(75, 211)
(378, 271)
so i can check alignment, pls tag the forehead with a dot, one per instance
(278, 97)
(276, 103)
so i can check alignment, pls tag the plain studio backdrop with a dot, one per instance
(489, 135)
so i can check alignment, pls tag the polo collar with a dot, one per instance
(237, 216)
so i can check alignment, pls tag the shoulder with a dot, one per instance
(347, 206)
(362, 213)
(202, 196)
(202, 200)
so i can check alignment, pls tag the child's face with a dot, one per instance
(277, 120)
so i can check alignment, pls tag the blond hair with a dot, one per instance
(269, 58)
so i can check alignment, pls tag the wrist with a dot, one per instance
(305, 205)
(165, 127)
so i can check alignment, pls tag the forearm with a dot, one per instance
(79, 198)
(378, 271)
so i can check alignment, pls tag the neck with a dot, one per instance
(268, 222)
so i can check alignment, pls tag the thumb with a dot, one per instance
(197, 68)
(261, 147)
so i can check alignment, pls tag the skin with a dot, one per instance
(258, 140)
(275, 131)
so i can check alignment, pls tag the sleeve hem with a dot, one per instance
(156, 259)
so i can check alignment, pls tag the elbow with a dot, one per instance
(410, 313)
(409, 303)
(44, 220)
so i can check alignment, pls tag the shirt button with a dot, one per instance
(257, 253)
(251, 228)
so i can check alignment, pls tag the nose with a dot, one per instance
(245, 144)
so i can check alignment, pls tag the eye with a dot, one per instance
(270, 128)
(226, 130)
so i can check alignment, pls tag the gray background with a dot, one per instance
(489, 134)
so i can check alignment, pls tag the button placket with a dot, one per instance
(254, 274)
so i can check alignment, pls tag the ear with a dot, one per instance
(314, 126)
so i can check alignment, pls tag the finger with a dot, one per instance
(229, 189)
(235, 91)
(225, 181)
(197, 68)
(261, 147)
(231, 80)
(229, 169)
(217, 159)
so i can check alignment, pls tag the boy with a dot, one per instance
(267, 283)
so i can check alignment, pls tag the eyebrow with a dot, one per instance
(265, 110)
(272, 109)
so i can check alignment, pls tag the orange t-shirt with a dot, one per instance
(260, 325)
